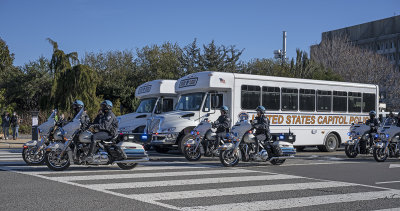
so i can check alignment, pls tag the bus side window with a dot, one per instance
(271, 97)
(354, 102)
(369, 101)
(251, 96)
(168, 105)
(339, 101)
(290, 99)
(307, 100)
(324, 100)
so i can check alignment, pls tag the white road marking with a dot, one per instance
(147, 175)
(301, 202)
(394, 166)
(386, 182)
(189, 182)
(241, 190)
(12, 158)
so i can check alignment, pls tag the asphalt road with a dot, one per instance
(312, 181)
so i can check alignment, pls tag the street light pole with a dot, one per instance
(281, 53)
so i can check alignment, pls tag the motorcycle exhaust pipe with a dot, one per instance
(133, 161)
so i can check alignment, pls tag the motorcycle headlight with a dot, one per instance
(383, 136)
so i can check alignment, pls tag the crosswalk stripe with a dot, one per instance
(146, 175)
(12, 158)
(240, 190)
(96, 169)
(301, 202)
(189, 182)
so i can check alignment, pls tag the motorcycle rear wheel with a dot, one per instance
(127, 166)
(29, 157)
(192, 155)
(380, 155)
(228, 158)
(51, 161)
(350, 151)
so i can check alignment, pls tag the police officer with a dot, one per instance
(261, 124)
(107, 126)
(77, 107)
(398, 120)
(373, 124)
(223, 123)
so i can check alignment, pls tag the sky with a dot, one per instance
(253, 25)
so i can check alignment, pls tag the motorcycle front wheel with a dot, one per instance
(380, 155)
(350, 151)
(54, 163)
(127, 166)
(228, 158)
(32, 159)
(192, 154)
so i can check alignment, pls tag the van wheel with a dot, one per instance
(331, 144)
(182, 141)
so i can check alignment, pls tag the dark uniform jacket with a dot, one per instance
(85, 120)
(373, 124)
(107, 122)
(261, 124)
(223, 124)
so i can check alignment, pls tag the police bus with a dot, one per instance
(318, 112)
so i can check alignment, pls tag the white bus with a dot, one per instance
(318, 112)
(156, 97)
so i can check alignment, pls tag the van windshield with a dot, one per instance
(146, 105)
(190, 102)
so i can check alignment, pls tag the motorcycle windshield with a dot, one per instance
(74, 125)
(45, 127)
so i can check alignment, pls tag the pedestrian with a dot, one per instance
(2, 123)
(15, 125)
(6, 125)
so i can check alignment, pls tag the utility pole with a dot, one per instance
(281, 53)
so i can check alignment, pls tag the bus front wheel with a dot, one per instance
(330, 145)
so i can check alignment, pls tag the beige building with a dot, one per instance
(381, 36)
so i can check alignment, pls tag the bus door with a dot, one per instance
(212, 104)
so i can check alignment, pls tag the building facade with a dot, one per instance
(381, 36)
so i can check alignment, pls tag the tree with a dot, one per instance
(79, 82)
(118, 76)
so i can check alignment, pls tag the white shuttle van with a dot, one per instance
(318, 112)
(156, 97)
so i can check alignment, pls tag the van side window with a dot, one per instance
(290, 99)
(206, 107)
(354, 102)
(369, 101)
(324, 100)
(251, 96)
(168, 105)
(339, 101)
(307, 100)
(271, 97)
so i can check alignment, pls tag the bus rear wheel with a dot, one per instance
(330, 145)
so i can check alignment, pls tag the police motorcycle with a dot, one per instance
(242, 145)
(73, 144)
(205, 142)
(360, 140)
(387, 142)
(33, 151)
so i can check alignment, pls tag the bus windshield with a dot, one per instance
(146, 105)
(190, 102)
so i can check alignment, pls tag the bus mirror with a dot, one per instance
(206, 109)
